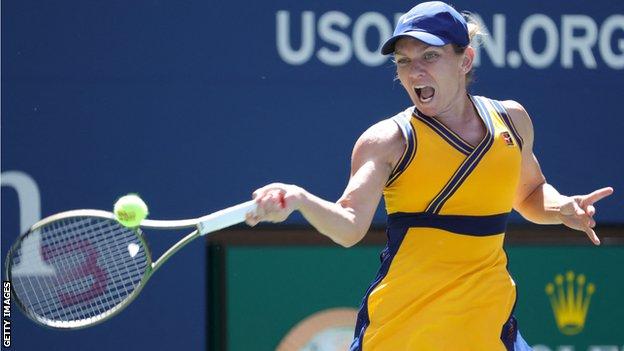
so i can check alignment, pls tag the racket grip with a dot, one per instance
(226, 217)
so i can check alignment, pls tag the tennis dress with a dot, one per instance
(443, 283)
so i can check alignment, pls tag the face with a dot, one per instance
(433, 76)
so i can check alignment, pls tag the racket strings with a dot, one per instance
(81, 284)
(91, 268)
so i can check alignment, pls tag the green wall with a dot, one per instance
(271, 289)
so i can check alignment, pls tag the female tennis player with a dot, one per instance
(450, 168)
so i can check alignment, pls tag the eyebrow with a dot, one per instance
(399, 52)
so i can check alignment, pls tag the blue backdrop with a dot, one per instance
(194, 104)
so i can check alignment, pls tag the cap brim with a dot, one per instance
(427, 38)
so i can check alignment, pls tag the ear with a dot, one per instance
(468, 59)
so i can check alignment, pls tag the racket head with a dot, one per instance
(77, 269)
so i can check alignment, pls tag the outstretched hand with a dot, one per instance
(578, 212)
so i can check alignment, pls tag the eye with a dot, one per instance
(401, 61)
(431, 55)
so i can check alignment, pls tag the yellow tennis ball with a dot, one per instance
(130, 210)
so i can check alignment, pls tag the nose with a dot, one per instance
(416, 70)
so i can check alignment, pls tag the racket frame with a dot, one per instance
(203, 225)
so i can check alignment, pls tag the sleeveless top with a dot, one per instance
(443, 283)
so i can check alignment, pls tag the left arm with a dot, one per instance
(540, 202)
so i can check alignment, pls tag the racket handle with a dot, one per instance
(226, 217)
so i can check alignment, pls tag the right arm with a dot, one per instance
(347, 220)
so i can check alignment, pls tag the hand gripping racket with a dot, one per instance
(78, 268)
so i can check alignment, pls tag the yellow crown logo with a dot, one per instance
(570, 301)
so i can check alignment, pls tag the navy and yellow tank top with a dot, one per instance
(443, 282)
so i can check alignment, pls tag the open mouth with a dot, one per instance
(425, 93)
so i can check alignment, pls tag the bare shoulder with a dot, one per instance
(520, 118)
(381, 133)
(382, 141)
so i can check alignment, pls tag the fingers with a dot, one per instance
(597, 195)
(268, 209)
(586, 203)
(265, 189)
(579, 218)
(592, 236)
(269, 198)
(251, 219)
(585, 216)
(271, 204)
(587, 223)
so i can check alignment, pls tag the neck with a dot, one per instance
(461, 110)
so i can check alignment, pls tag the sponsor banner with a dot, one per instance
(541, 41)
(568, 297)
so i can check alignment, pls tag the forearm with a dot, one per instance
(347, 220)
(333, 220)
(543, 205)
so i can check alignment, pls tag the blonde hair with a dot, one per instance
(475, 33)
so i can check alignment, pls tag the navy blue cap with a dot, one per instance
(434, 23)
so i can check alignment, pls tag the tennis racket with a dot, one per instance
(78, 268)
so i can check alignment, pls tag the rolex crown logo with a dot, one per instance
(569, 298)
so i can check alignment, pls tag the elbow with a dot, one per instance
(350, 231)
(348, 240)
(346, 244)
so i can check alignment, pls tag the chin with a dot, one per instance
(427, 109)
